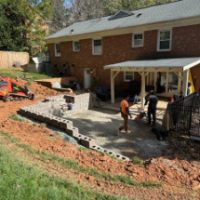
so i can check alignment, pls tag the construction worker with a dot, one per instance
(124, 109)
(153, 100)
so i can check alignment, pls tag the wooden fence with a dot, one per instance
(13, 59)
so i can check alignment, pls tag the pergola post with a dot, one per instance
(167, 83)
(179, 82)
(143, 89)
(155, 81)
(185, 82)
(113, 74)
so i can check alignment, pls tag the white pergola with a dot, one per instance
(179, 66)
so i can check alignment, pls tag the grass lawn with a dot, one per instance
(18, 73)
(19, 181)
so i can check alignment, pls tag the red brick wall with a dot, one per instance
(185, 43)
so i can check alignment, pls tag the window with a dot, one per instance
(164, 40)
(128, 76)
(76, 46)
(97, 47)
(57, 50)
(138, 40)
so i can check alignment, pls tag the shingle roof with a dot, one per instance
(150, 15)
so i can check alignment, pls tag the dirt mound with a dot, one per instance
(175, 172)
(39, 90)
(42, 91)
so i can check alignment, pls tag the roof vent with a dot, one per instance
(138, 15)
(121, 14)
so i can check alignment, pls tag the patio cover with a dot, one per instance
(156, 65)
(143, 67)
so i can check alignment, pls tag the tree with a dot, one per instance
(53, 11)
(12, 25)
(85, 9)
(112, 6)
(44, 7)
(22, 27)
(58, 20)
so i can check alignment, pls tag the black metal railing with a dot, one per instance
(184, 115)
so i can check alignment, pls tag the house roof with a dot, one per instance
(182, 9)
(164, 64)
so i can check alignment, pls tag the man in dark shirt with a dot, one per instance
(153, 100)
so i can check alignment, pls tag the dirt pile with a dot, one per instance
(175, 172)
(39, 90)
(42, 91)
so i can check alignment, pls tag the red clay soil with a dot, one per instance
(172, 173)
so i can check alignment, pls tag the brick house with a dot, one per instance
(158, 32)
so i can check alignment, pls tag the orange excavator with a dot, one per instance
(11, 90)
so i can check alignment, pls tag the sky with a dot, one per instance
(67, 2)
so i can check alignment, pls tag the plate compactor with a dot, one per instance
(11, 90)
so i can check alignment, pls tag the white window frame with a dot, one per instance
(74, 47)
(125, 77)
(93, 48)
(133, 40)
(57, 54)
(170, 40)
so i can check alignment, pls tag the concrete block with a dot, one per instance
(79, 136)
(69, 131)
(22, 112)
(69, 124)
(75, 130)
(97, 148)
(121, 157)
(87, 142)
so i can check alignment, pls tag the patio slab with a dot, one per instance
(102, 125)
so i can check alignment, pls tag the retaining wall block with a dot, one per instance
(40, 117)
(79, 136)
(49, 119)
(22, 112)
(69, 131)
(75, 130)
(87, 142)
(33, 115)
(121, 157)
(69, 124)
(97, 148)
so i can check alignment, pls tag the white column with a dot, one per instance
(112, 81)
(185, 82)
(143, 89)
(113, 75)
(167, 83)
